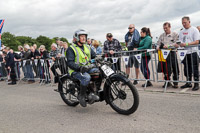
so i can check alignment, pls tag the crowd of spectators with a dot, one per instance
(35, 63)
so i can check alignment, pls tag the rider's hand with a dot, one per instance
(84, 69)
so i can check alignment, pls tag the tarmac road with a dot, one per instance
(30, 108)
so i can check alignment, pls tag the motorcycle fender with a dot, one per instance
(64, 76)
(106, 85)
(61, 80)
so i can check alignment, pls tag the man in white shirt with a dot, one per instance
(189, 38)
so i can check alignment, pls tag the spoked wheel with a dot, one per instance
(68, 92)
(123, 97)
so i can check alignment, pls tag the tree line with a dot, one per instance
(12, 41)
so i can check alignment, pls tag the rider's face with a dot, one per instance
(82, 39)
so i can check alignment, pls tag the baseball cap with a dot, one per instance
(109, 35)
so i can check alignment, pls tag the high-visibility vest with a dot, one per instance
(81, 58)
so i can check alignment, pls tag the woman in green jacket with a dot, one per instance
(145, 43)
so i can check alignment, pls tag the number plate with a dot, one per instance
(107, 70)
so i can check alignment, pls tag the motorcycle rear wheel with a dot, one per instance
(68, 95)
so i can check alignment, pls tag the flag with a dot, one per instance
(1, 27)
(165, 53)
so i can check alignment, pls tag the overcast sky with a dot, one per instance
(60, 18)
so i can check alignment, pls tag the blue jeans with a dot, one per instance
(85, 77)
(30, 74)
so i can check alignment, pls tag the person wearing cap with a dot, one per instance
(79, 55)
(132, 39)
(111, 46)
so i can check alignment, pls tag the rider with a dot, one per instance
(79, 55)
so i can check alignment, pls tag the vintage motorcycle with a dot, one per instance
(115, 88)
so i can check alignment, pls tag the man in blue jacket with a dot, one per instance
(132, 39)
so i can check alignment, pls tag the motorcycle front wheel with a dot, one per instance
(123, 96)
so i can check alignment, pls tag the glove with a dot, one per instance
(84, 69)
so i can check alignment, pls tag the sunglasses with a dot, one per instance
(130, 27)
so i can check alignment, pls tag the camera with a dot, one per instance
(178, 42)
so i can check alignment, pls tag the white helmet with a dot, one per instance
(78, 33)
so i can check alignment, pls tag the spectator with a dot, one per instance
(112, 45)
(145, 43)
(190, 36)
(62, 61)
(132, 39)
(35, 46)
(21, 54)
(95, 46)
(89, 42)
(58, 41)
(167, 39)
(17, 59)
(28, 64)
(44, 68)
(198, 27)
(63, 49)
(2, 67)
(35, 55)
(10, 64)
(53, 55)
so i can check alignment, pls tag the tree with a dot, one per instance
(9, 40)
(43, 40)
(25, 39)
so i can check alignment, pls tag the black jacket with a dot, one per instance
(71, 58)
(10, 60)
(34, 54)
(44, 54)
(27, 56)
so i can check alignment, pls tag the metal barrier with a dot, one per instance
(139, 59)
(149, 63)
(179, 62)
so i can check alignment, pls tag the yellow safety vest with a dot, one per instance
(82, 58)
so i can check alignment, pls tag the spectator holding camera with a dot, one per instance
(170, 65)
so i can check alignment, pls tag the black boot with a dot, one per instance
(12, 83)
(187, 85)
(148, 84)
(196, 87)
(82, 95)
(168, 85)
